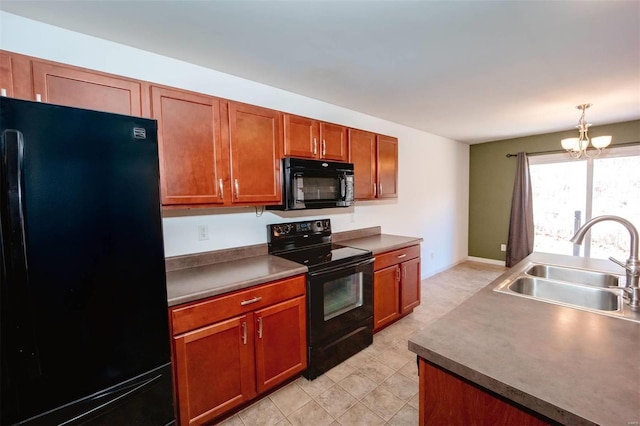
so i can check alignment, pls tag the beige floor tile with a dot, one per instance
(232, 421)
(310, 414)
(283, 422)
(407, 416)
(410, 370)
(290, 398)
(316, 386)
(262, 413)
(358, 385)
(359, 415)
(401, 386)
(383, 403)
(376, 371)
(340, 371)
(392, 359)
(336, 401)
(415, 401)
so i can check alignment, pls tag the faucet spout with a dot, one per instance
(632, 266)
(633, 232)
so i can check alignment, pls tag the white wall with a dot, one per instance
(433, 171)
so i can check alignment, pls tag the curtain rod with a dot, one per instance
(560, 151)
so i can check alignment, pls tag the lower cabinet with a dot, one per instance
(396, 285)
(446, 399)
(229, 349)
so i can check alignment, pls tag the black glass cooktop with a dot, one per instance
(326, 255)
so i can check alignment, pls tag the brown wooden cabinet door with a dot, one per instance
(15, 75)
(85, 89)
(255, 147)
(362, 153)
(190, 149)
(387, 167)
(385, 296)
(446, 399)
(333, 145)
(214, 369)
(281, 342)
(301, 136)
(410, 285)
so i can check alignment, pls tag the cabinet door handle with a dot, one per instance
(260, 327)
(250, 301)
(3, 92)
(324, 147)
(402, 256)
(375, 190)
(315, 146)
(237, 186)
(380, 190)
(221, 188)
(38, 97)
(398, 274)
(244, 333)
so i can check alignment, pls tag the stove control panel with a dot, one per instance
(299, 230)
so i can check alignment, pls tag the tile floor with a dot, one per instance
(379, 385)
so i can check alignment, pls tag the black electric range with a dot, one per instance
(339, 291)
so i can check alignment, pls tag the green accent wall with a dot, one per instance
(491, 176)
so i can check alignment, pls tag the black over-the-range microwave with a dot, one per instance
(315, 184)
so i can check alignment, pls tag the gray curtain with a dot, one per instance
(520, 242)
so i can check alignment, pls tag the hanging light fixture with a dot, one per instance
(577, 147)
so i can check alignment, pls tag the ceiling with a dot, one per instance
(473, 71)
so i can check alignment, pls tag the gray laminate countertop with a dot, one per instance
(381, 243)
(187, 285)
(202, 281)
(573, 366)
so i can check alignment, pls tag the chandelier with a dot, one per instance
(577, 147)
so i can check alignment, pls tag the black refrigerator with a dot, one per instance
(85, 335)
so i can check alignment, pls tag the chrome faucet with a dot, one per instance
(632, 266)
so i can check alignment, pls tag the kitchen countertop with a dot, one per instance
(190, 284)
(572, 366)
(381, 243)
(201, 281)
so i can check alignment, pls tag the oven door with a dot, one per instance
(340, 300)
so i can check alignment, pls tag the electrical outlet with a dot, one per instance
(503, 247)
(203, 232)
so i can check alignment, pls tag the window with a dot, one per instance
(568, 192)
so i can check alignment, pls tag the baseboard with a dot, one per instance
(483, 260)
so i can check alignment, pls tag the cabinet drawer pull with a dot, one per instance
(244, 333)
(250, 301)
(260, 327)
(221, 187)
(38, 97)
(3, 92)
(235, 183)
(315, 146)
(402, 256)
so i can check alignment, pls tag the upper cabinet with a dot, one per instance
(387, 166)
(255, 149)
(192, 164)
(308, 138)
(81, 88)
(375, 161)
(15, 76)
(214, 152)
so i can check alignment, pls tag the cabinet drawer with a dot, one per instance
(208, 311)
(396, 256)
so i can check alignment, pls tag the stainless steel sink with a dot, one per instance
(566, 293)
(578, 276)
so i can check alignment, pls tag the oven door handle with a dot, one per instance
(342, 267)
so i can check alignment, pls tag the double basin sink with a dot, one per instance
(588, 290)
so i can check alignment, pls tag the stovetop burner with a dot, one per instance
(309, 243)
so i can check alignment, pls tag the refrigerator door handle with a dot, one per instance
(15, 246)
